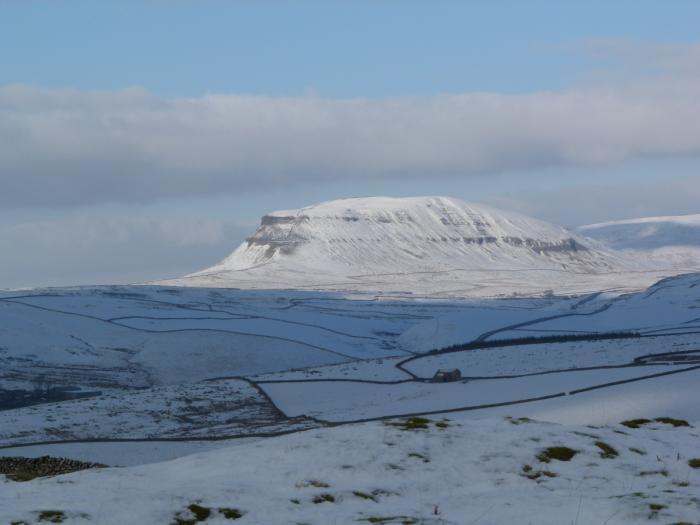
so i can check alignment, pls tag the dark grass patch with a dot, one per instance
(313, 483)
(672, 421)
(197, 512)
(694, 463)
(533, 474)
(200, 513)
(323, 498)
(364, 495)
(229, 513)
(52, 516)
(655, 508)
(412, 423)
(21, 476)
(637, 451)
(556, 453)
(606, 451)
(635, 423)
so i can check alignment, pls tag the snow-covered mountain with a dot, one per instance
(424, 244)
(386, 235)
(672, 241)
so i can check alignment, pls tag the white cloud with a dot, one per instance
(579, 205)
(65, 147)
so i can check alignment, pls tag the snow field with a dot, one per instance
(484, 471)
(216, 408)
(536, 358)
(348, 401)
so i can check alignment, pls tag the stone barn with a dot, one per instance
(447, 375)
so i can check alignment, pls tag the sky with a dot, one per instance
(144, 140)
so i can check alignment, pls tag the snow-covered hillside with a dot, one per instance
(672, 241)
(148, 349)
(421, 244)
(421, 472)
(383, 235)
(188, 370)
(359, 304)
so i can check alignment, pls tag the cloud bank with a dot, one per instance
(65, 147)
(579, 205)
(98, 248)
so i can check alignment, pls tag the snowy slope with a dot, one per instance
(352, 401)
(672, 241)
(168, 340)
(454, 473)
(383, 235)
(224, 407)
(671, 306)
(421, 244)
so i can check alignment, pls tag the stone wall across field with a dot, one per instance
(42, 466)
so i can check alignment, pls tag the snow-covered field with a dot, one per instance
(458, 472)
(212, 408)
(149, 348)
(122, 453)
(185, 372)
(367, 370)
(543, 357)
(347, 401)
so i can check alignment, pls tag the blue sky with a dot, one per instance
(570, 111)
(373, 48)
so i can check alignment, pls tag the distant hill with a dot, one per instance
(420, 244)
(672, 241)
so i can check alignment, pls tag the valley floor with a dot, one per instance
(267, 396)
